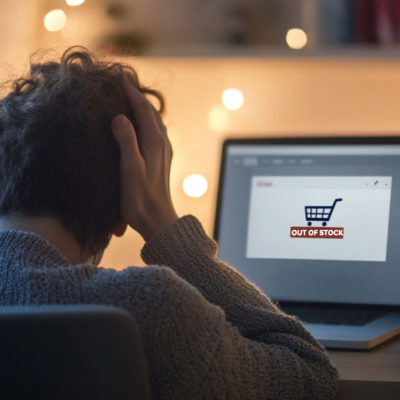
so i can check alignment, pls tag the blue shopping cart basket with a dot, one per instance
(320, 213)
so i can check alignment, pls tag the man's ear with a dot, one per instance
(120, 229)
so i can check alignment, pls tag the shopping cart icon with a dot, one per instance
(320, 213)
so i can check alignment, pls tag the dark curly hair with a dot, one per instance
(58, 157)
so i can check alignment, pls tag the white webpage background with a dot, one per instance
(363, 213)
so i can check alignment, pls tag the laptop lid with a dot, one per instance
(313, 219)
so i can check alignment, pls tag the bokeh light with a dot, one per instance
(232, 99)
(218, 118)
(296, 39)
(75, 2)
(55, 20)
(76, 28)
(195, 185)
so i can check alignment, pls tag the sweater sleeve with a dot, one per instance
(257, 350)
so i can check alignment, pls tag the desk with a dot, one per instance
(369, 375)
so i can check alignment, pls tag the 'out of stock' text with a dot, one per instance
(316, 233)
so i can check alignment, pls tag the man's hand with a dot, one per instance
(146, 204)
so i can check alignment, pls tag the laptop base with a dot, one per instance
(356, 337)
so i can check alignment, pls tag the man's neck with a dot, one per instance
(51, 230)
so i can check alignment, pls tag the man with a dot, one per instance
(83, 154)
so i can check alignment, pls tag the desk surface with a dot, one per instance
(369, 375)
(382, 363)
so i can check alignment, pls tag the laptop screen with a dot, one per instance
(313, 222)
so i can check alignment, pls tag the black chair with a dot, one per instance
(71, 353)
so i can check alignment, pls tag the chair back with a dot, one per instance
(71, 353)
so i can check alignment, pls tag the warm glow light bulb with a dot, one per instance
(195, 185)
(232, 99)
(296, 39)
(75, 2)
(55, 20)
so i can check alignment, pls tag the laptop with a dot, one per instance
(315, 224)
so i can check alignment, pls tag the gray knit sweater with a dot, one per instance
(208, 332)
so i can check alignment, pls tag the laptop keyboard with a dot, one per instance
(333, 316)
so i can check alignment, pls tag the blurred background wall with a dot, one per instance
(318, 92)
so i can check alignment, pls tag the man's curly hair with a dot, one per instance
(58, 157)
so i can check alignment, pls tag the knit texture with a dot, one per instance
(208, 332)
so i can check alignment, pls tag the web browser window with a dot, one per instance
(314, 223)
(350, 213)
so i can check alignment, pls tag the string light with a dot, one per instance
(75, 2)
(296, 39)
(55, 20)
(75, 28)
(232, 99)
(195, 185)
(218, 118)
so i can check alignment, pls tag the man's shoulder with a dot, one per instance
(157, 286)
(129, 277)
(154, 280)
(147, 292)
(124, 279)
(151, 293)
(92, 284)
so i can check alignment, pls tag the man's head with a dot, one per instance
(58, 156)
